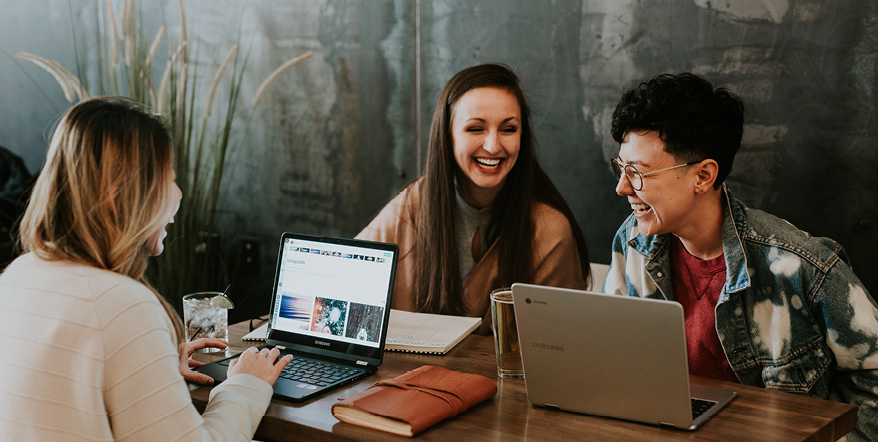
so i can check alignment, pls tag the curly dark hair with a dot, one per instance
(694, 120)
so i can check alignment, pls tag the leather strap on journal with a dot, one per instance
(454, 402)
(423, 397)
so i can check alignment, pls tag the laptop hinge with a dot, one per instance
(362, 363)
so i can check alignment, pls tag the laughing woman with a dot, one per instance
(484, 214)
(90, 350)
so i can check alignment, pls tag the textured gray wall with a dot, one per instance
(337, 137)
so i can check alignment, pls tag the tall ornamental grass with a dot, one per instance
(200, 125)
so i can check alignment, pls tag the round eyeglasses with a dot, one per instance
(634, 176)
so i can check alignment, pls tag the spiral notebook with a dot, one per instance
(426, 332)
(258, 334)
(414, 332)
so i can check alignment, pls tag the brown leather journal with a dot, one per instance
(414, 401)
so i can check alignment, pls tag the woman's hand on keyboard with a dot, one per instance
(264, 364)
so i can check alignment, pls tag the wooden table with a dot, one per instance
(757, 414)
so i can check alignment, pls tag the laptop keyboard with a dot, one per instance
(313, 372)
(700, 406)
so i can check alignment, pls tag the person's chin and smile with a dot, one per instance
(649, 219)
(488, 172)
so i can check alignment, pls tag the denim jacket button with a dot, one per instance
(659, 274)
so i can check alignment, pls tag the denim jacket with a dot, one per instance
(792, 315)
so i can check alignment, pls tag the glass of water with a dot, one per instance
(505, 334)
(206, 315)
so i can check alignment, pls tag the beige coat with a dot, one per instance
(558, 262)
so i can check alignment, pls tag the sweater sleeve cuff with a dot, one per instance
(237, 405)
(242, 382)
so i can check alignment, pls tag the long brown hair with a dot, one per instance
(103, 191)
(438, 284)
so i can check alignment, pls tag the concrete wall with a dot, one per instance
(346, 129)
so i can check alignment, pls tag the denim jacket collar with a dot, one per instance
(734, 226)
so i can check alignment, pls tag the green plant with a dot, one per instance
(192, 260)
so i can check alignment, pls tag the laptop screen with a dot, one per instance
(332, 293)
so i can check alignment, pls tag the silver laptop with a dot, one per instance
(608, 355)
(330, 310)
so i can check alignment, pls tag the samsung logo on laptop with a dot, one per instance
(548, 346)
(323, 343)
(528, 300)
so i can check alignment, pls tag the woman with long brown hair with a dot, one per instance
(91, 351)
(484, 214)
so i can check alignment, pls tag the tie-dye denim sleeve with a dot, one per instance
(851, 320)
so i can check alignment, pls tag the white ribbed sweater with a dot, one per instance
(88, 354)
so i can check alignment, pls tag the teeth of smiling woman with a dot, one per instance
(488, 162)
(639, 207)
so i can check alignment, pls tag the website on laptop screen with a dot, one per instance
(332, 291)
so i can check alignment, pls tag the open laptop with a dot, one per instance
(609, 355)
(330, 307)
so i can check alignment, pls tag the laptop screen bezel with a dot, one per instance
(371, 356)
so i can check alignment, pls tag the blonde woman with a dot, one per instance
(90, 350)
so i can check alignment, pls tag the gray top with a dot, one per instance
(466, 220)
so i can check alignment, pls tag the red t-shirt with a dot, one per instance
(697, 286)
